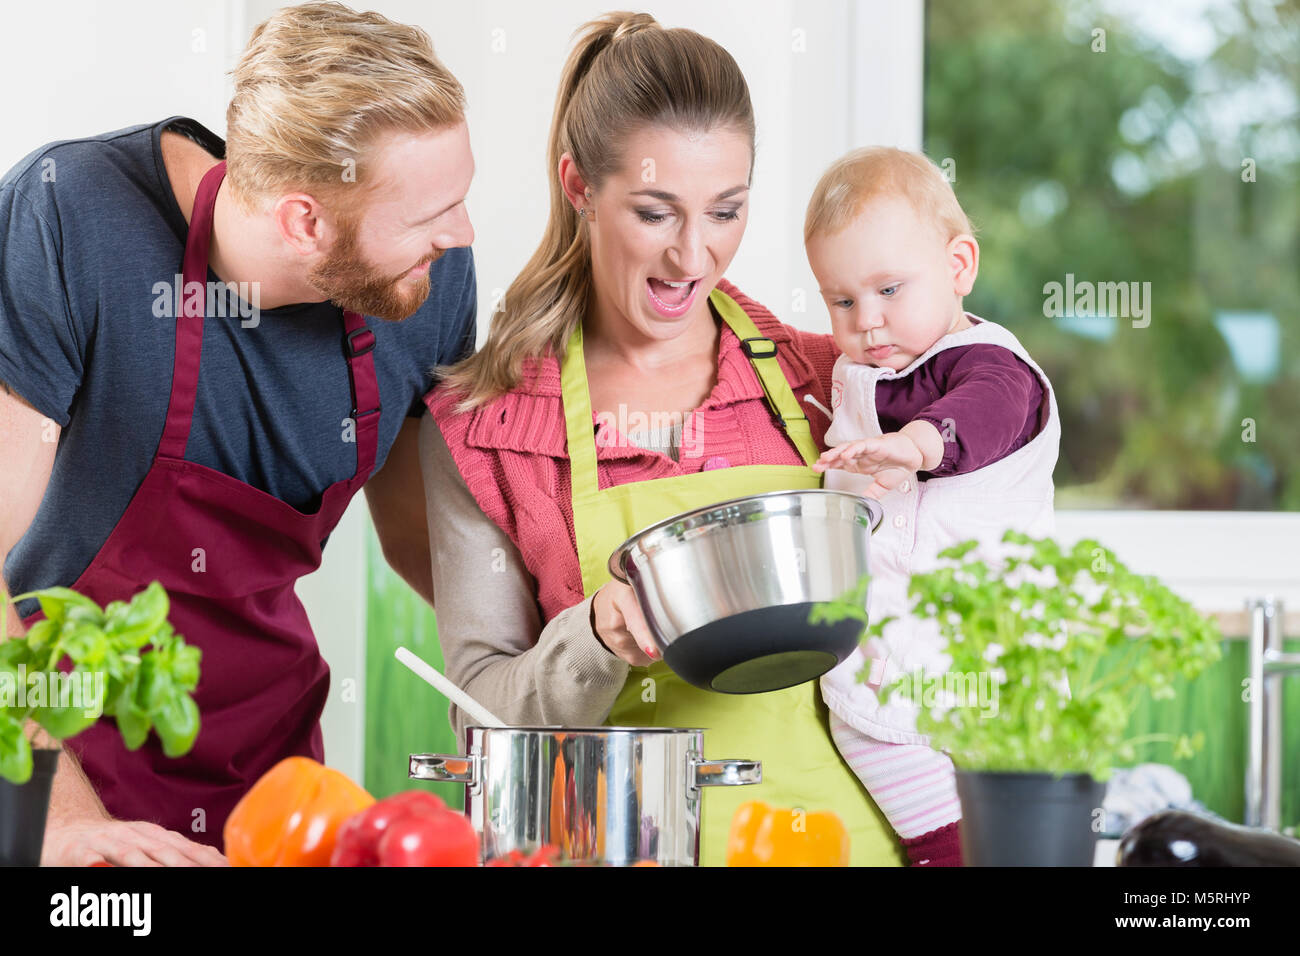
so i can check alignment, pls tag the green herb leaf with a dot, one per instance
(62, 722)
(185, 665)
(40, 635)
(15, 750)
(56, 602)
(14, 651)
(137, 623)
(850, 605)
(152, 685)
(177, 723)
(132, 723)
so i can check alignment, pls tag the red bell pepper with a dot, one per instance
(413, 828)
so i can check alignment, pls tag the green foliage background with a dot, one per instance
(404, 715)
(1042, 130)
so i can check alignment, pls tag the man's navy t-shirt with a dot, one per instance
(88, 228)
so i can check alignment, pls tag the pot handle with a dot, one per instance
(448, 768)
(877, 512)
(725, 773)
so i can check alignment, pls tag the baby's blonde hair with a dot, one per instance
(315, 86)
(869, 173)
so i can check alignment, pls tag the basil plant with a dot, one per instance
(1048, 652)
(125, 662)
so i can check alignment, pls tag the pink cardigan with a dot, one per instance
(513, 452)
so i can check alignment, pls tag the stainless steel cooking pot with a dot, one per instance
(727, 589)
(613, 795)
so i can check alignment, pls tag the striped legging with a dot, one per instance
(914, 785)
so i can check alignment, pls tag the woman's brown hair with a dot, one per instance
(625, 72)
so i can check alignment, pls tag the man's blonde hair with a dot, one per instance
(314, 88)
(872, 172)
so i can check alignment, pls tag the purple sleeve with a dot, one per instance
(988, 407)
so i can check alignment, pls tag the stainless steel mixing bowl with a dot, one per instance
(727, 589)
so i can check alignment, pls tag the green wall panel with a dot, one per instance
(404, 715)
(1214, 703)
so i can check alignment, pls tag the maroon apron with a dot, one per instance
(263, 683)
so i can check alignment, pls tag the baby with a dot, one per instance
(940, 415)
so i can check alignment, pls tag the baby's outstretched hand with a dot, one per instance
(888, 459)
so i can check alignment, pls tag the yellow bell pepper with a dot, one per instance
(764, 836)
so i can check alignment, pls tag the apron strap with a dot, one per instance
(761, 351)
(762, 355)
(359, 343)
(578, 418)
(189, 324)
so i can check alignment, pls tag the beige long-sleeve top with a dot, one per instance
(489, 623)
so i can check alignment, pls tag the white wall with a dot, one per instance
(1217, 560)
(77, 67)
(824, 77)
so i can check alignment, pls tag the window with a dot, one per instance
(1133, 171)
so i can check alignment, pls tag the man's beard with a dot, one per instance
(347, 281)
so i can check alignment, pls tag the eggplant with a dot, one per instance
(1179, 838)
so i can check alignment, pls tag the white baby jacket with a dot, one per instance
(921, 518)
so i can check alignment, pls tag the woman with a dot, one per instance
(541, 454)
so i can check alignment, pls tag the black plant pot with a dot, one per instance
(1028, 819)
(22, 812)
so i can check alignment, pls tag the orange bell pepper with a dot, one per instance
(763, 836)
(291, 816)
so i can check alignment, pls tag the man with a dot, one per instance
(202, 362)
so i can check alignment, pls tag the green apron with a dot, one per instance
(787, 730)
